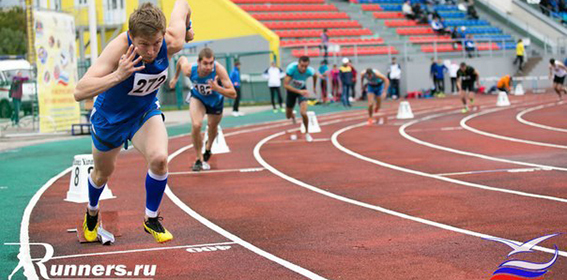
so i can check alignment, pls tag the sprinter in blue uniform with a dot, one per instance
(126, 78)
(295, 84)
(377, 87)
(211, 84)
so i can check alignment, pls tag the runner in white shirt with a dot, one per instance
(274, 75)
(559, 72)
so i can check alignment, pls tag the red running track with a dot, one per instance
(322, 235)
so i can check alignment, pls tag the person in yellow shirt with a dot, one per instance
(505, 84)
(520, 51)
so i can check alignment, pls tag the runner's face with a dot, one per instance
(148, 46)
(206, 65)
(302, 66)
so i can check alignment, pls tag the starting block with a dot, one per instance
(503, 100)
(108, 229)
(78, 185)
(219, 145)
(313, 123)
(404, 111)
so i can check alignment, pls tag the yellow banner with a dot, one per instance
(56, 71)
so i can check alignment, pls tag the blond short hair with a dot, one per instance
(147, 20)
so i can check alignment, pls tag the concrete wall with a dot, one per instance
(503, 5)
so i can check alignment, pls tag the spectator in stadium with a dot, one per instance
(471, 11)
(545, 7)
(274, 75)
(407, 10)
(325, 42)
(432, 69)
(394, 75)
(16, 94)
(335, 83)
(438, 74)
(354, 79)
(453, 68)
(235, 78)
(346, 75)
(324, 71)
(520, 51)
(458, 35)
(504, 84)
(470, 46)
(439, 27)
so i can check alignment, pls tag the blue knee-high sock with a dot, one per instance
(155, 186)
(94, 194)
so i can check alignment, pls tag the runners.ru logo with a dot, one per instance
(519, 269)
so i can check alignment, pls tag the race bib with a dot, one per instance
(203, 89)
(145, 84)
(298, 84)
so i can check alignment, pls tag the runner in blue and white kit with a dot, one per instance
(377, 88)
(126, 78)
(206, 97)
(295, 84)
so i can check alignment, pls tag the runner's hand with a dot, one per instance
(172, 83)
(127, 63)
(304, 93)
(189, 35)
(215, 84)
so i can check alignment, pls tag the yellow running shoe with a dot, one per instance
(154, 227)
(90, 227)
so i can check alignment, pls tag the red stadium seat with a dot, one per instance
(415, 31)
(317, 33)
(388, 15)
(300, 16)
(430, 39)
(380, 50)
(289, 8)
(342, 42)
(402, 23)
(311, 24)
(371, 7)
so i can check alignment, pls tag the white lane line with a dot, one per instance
(514, 170)
(234, 238)
(24, 256)
(366, 205)
(435, 129)
(138, 250)
(501, 137)
(403, 128)
(424, 174)
(238, 240)
(300, 141)
(3, 188)
(520, 118)
(243, 170)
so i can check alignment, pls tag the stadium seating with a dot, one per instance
(317, 33)
(380, 50)
(300, 23)
(312, 24)
(299, 16)
(289, 8)
(342, 42)
(450, 48)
